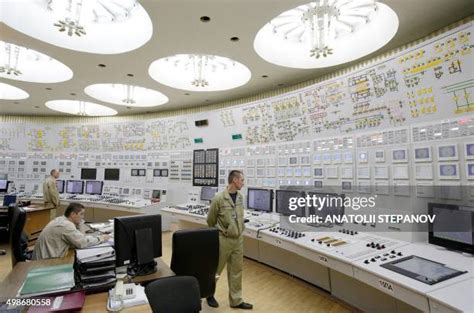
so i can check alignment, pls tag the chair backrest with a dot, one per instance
(176, 294)
(17, 223)
(196, 253)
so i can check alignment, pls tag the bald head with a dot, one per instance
(54, 173)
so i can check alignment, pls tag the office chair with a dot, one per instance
(7, 225)
(196, 253)
(18, 242)
(176, 294)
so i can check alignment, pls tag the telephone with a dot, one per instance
(124, 291)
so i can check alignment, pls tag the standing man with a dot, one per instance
(227, 215)
(50, 192)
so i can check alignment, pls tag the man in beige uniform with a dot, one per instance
(62, 233)
(227, 214)
(50, 192)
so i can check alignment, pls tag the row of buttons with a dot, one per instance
(384, 257)
(287, 232)
(348, 232)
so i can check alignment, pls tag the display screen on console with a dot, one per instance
(94, 187)
(259, 199)
(74, 186)
(207, 193)
(424, 270)
(283, 202)
(448, 220)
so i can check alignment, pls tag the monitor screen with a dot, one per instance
(129, 233)
(94, 187)
(112, 174)
(328, 204)
(156, 194)
(157, 172)
(9, 199)
(4, 185)
(88, 173)
(75, 186)
(207, 193)
(260, 199)
(60, 185)
(164, 173)
(283, 202)
(452, 226)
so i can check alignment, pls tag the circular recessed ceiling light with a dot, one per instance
(326, 33)
(9, 92)
(20, 63)
(199, 72)
(82, 108)
(95, 26)
(132, 96)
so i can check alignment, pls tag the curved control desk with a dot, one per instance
(349, 266)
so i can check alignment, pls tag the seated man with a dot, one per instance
(62, 233)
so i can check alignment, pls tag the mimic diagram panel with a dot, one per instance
(403, 122)
(427, 82)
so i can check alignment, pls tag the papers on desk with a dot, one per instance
(103, 227)
(50, 279)
(94, 254)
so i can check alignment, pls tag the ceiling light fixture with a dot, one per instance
(326, 32)
(81, 108)
(23, 64)
(9, 92)
(95, 26)
(127, 95)
(199, 72)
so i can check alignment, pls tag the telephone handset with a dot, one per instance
(124, 291)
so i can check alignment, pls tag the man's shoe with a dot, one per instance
(212, 302)
(243, 306)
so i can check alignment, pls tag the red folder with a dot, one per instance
(69, 302)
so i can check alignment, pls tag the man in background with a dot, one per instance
(227, 214)
(62, 233)
(50, 192)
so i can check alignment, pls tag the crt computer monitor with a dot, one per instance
(89, 173)
(94, 187)
(112, 174)
(4, 185)
(208, 193)
(452, 227)
(333, 206)
(137, 243)
(75, 186)
(260, 199)
(60, 185)
(283, 202)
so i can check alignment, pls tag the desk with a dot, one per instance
(94, 303)
(37, 217)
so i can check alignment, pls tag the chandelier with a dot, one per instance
(129, 91)
(201, 65)
(71, 12)
(12, 54)
(320, 23)
(199, 72)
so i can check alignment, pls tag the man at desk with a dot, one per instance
(227, 214)
(62, 233)
(50, 191)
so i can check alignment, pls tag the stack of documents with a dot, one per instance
(95, 267)
(47, 280)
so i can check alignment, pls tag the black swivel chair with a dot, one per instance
(6, 223)
(196, 253)
(17, 238)
(176, 294)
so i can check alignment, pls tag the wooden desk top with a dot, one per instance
(11, 284)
